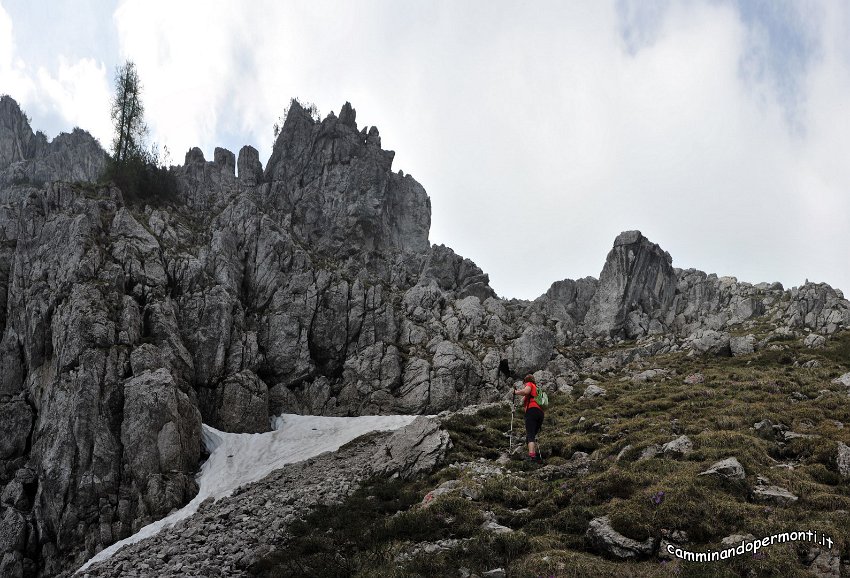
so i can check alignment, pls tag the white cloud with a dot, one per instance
(13, 78)
(80, 94)
(541, 131)
(77, 92)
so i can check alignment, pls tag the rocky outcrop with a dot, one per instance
(29, 158)
(312, 290)
(250, 168)
(566, 302)
(337, 186)
(17, 141)
(636, 287)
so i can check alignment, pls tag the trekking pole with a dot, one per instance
(511, 442)
(504, 369)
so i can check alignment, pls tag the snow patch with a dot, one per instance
(239, 459)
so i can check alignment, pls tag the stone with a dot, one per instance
(592, 391)
(415, 448)
(532, 350)
(649, 452)
(736, 539)
(447, 487)
(814, 341)
(774, 494)
(822, 562)
(577, 466)
(768, 430)
(495, 573)
(491, 525)
(710, 342)
(681, 446)
(649, 374)
(730, 468)
(605, 540)
(742, 345)
(674, 538)
(842, 460)
(695, 379)
(843, 380)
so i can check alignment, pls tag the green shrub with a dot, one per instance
(142, 181)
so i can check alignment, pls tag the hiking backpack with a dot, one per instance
(541, 398)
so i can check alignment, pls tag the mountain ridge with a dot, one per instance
(308, 286)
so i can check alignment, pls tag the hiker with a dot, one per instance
(533, 416)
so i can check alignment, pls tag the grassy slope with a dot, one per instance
(550, 516)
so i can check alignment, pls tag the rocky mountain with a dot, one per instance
(308, 286)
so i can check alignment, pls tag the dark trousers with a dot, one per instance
(533, 421)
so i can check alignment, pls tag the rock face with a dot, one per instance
(337, 186)
(309, 286)
(636, 284)
(28, 158)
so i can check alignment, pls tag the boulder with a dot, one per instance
(742, 345)
(730, 468)
(649, 375)
(605, 540)
(413, 449)
(681, 446)
(592, 391)
(710, 342)
(843, 380)
(814, 341)
(532, 350)
(842, 460)
(736, 539)
(822, 562)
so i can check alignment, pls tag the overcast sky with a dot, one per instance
(540, 130)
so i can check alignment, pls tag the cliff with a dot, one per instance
(309, 286)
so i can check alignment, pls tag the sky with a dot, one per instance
(540, 130)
